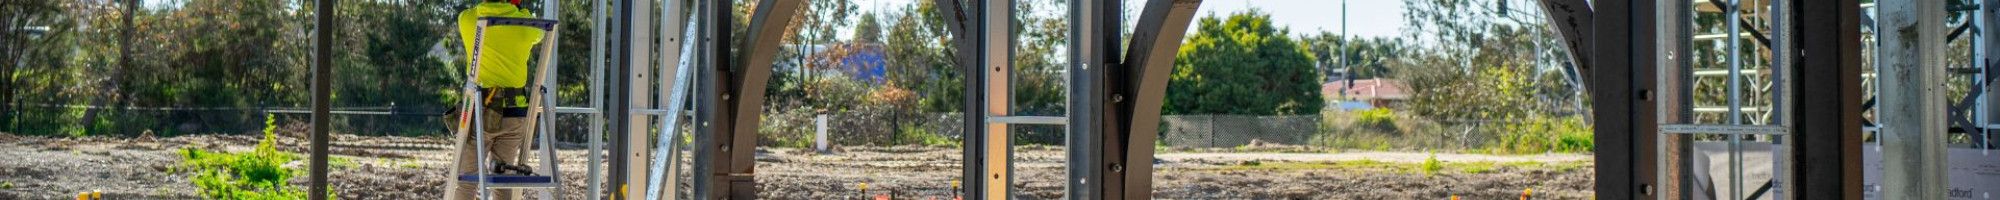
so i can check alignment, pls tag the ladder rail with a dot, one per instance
(665, 169)
(473, 104)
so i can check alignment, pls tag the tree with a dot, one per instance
(1485, 63)
(869, 30)
(28, 30)
(920, 57)
(1242, 64)
(1365, 57)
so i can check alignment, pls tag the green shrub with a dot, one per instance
(1543, 134)
(913, 134)
(1378, 118)
(258, 174)
(1432, 165)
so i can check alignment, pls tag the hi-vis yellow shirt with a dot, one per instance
(503, 61)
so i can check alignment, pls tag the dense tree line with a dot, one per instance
(75, 73)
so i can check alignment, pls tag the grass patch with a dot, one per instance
(925, 136)
(1474, 168)
(1543, 134)
(1432, 165)
(257, 174)
(408, 163)
(339, 162)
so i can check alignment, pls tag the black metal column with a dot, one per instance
(731, 96)
(964, 34)
(322, 93)
(710, 120)
(1827, 136)
(1095, 38)
(1622, 71)
(1117, 102)
(617, 110)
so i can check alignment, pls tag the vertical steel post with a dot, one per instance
(712, 132)
(965, 30)
(1734, 16)
(618, 112)
(665, 165)
(1826, 139)
(322, 80)
(638, 90)
(1913, 133)
(1621, 83)
(1095, 39)
(1987, 44)
(1784, 54)
(594, 159)
(1676, 95)
(996, 59)
(545, 128)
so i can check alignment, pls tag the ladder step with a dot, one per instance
(512, 181)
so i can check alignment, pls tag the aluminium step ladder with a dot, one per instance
(545, 178)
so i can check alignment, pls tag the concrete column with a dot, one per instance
(1912, 99)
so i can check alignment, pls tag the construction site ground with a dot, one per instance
(415, 168)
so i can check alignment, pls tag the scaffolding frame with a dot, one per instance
(1607, 34)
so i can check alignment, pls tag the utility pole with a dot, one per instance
(1347, 71)
(1912, 134)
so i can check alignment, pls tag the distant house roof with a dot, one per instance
(1365, 89)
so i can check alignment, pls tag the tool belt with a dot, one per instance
(511, 102)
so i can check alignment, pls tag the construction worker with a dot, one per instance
(502, 71)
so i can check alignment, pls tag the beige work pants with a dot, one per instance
(503, 142)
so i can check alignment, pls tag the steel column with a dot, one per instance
(1127, 97)
(1913, 126)
(1987, 45)
(1621, 83)
(638, 68)
(1675, 107)
(595, 182)
(1825, 147)
(713, 134)
(617, 112)
(965, 34)
(995, 64)
(322, 93)
(1094, 39)
(732, 97)
(665, 163)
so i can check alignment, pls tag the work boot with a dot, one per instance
(501, 168)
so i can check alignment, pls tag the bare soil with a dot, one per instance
(415, 168)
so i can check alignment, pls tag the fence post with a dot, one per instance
(821, 135)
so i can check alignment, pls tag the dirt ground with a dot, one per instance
(414, 168)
